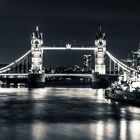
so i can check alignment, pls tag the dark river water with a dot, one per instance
(65, 114)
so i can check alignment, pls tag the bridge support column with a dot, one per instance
(36, 77)
(22, 66)
(26, 65)
(99, 78)
(114, 69)
(100, 44)
(36, 80)
(110, 66)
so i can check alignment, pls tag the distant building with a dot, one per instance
(87, 63)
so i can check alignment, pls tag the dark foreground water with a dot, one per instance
(65, 114)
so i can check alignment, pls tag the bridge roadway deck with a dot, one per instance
(24, 75)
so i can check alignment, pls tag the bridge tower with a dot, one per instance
(36, 77)
(138, 58)
(100, 44)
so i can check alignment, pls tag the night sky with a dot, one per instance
(68, 21)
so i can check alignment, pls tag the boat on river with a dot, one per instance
(125, 92)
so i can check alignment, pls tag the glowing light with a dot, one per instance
(97, 130)
(39, 131)
(13, 74)
(39, 93)
(13, 90)
(134, 129)
(72, 48)
(100, 69)
(68, 46)
(37, 53)
(70, 74)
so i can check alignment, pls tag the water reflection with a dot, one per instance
(65, 114)
(123, 129)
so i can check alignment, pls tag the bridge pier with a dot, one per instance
(36, 77)
(36, 80)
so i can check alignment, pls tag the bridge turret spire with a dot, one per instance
(37, 29)
(100, 29)
(100, 35)
(37, 34)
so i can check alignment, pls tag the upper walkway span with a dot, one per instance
(68, 47)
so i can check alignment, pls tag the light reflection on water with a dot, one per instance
(65, 114)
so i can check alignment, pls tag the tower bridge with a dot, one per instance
(35, 72)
